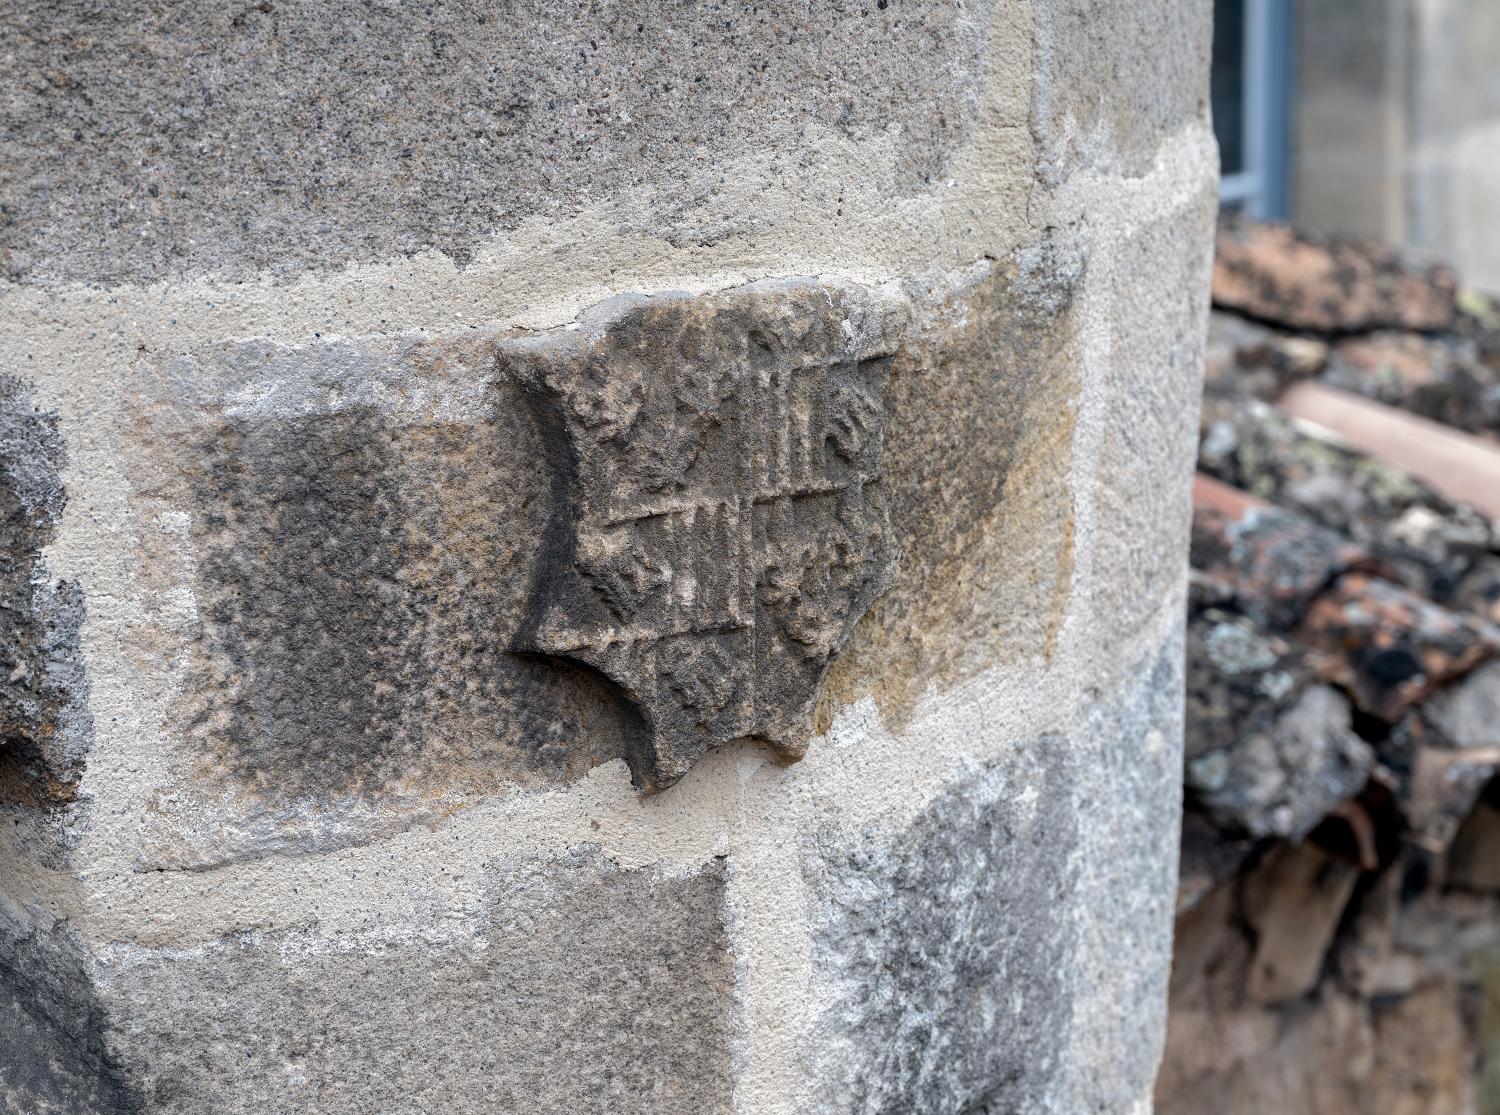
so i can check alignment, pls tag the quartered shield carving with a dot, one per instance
(720, 525)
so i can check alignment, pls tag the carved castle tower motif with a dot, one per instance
(720, 524)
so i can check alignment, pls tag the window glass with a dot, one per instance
(1228, 84)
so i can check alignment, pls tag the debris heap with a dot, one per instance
(1338, 936)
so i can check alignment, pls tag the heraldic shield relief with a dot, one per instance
(720, 524)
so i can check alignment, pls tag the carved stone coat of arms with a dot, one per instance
(719, 525)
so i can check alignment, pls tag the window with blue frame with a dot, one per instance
(1250, 78)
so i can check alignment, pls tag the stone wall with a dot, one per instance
(1398, 126)
(625, 558)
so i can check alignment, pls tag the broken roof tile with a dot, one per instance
(1467, 715)
(1442, 378)
(1445, 785)
(1239, 678)
(1388, 647)
(1268, 560)
(1344, 625)
(1420, 538)
(1246, 358)
(1461, 466)
(1282, 779)
(1328, 284)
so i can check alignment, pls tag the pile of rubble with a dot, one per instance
(1338, 937)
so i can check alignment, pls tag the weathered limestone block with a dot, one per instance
(571, 959)
(600, 570)
(1114, 77)
(149, 141)
(51, 1027)
(1294, 903)
(625, 560)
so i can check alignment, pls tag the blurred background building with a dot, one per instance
(1374, 117)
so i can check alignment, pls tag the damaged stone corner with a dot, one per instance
(44, 717)
(51, 1030)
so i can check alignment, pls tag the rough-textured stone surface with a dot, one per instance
(1331, 285)
(704, 476)
(1090, 111)
(719, 523)
(620, 976)
(1115, 1046)
(1161, 274)
(947, 955)
(983, 407)
(373, 570)
(44, 720)
(357, 571)
(143, 140)
(53, 1059)
(981, 416)
(632, 552)
(955, 959)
